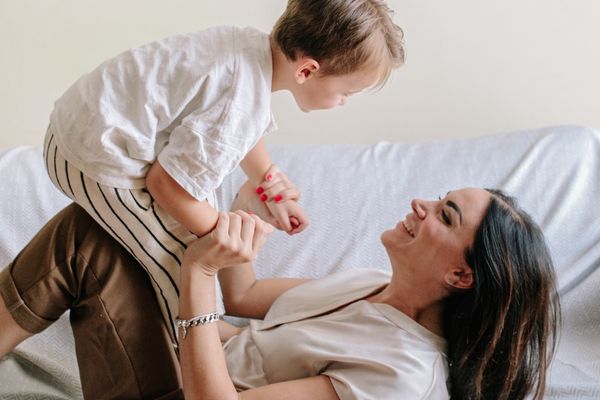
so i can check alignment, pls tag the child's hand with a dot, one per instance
(281, 198)
(289, 216)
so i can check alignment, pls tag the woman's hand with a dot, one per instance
(277, 187)
(247, 200)
(236, 239)
(280, 202)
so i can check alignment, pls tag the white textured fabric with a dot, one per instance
(354, 192)
(199, 102)
(370, 351)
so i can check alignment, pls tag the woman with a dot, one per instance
(471, 268)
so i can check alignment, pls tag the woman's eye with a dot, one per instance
(446, 218)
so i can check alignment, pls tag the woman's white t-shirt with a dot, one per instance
(369, 350)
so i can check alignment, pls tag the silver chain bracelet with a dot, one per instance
(199, 320)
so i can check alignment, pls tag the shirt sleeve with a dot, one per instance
(198, 161)
(209, 144)
(374, 381)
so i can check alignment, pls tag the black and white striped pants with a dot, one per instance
(132, 217)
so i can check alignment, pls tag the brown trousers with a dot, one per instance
(122, 344)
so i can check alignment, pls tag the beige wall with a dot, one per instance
(474, 67)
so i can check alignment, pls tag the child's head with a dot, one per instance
(342, 36)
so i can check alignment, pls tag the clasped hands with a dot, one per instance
(254, 214)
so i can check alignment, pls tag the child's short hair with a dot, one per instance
(342, 35)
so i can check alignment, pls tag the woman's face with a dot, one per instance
(435, 234)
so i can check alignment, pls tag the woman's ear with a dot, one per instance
(460, 278)
(306, 68)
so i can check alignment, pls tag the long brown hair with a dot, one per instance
(502, 332)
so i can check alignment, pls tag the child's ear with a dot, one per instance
(306, 68)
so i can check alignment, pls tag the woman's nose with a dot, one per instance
(419, 207)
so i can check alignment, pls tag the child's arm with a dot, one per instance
(257, 165)
(197, 216)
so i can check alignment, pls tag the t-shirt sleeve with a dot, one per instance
(204, 148)
(196, 162)
(374, 381)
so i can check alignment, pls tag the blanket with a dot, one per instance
(352, 193)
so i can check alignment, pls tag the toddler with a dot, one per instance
(142, 141)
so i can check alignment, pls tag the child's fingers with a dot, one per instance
(299, 228)
(299, 222)
(294, 222)
(281, 215)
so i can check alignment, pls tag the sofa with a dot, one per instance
(352, 193)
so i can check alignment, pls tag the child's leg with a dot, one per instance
(122, 343)
(132, 217)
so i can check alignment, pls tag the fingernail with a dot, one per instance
(278, 198)
(294, 225)
(259, 190)
(263, 197)
(250, 213)
(269, 177)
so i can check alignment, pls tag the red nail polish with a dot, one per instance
(269, 177)
(278, 198)
(259, 190)
(263, 197)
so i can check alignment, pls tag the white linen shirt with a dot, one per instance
(369, 350)
(198, 102)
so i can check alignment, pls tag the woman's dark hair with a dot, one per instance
(502, 332)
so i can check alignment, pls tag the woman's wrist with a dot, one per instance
(195, 266)
(197, 272)
(198, 292)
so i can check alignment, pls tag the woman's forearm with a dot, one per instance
(202, 360)
(245, 296)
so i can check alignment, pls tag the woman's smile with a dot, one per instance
(408, 228)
